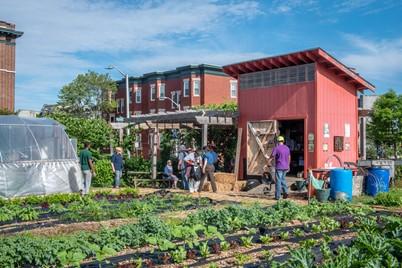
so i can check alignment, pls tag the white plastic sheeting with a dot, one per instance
(36, 157)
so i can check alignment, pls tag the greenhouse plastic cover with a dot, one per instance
(36, 157)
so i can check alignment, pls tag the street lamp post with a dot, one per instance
(110, 67)
(175, 103)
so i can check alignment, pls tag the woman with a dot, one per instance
(190, 161)
(168, 172)
(117, 166)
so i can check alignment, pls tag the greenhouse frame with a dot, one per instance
(36, 157)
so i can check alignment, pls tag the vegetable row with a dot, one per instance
(206, 223)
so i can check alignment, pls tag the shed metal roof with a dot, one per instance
(296, 58)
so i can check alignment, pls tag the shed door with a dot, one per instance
(260, 142)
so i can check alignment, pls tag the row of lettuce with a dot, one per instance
(38, 251)
(95, 207)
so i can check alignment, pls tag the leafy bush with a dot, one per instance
(104, 174)
(390, 199)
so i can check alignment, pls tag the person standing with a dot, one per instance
(181, 166)
(87, 166)
(281, 154)
(190, 161)
(117, 166)
(208, 168)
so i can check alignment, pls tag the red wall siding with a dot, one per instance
(296, 101)
(337, 106)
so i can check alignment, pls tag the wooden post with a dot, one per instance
(237, 159)
(154, 152)
(204, 135)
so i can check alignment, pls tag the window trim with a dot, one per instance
(186, 81)
(164, 90)
(152, 88)
(138, 94)
(236, 90)
(199, 89)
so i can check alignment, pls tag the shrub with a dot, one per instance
(104, 174)
(390, 199)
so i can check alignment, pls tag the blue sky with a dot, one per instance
(66, 37)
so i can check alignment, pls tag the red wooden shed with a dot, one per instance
(309, 97)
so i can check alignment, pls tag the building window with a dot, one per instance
(280, 76)
(176, 99)
(153, 92)
(162, 91)
(131, 97)
(186, 87)
(233, 88)
(196, 87)
(161, 110)
(137, 112)
(152, 111)
(138, 95)
(120, 105)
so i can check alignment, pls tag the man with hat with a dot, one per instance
(281, 154)
(117, 166)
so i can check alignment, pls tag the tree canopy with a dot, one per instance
(88, 95)
(96, 131)
(385, 128)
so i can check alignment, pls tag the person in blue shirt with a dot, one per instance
(168, 172)
(208, 168)
(117, 166)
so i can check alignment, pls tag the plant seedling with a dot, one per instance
(204, 249)
(267, 255)
(265, 239)
(225, 245)
(246, 241)
(298, 232)
(179, 255)
(241, 259)
(213, 265)
(284, 235)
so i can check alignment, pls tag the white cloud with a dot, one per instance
(65, 37)
(377, 59)
(167, 60)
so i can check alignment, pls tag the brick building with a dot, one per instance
(189, 86)
(8, 34)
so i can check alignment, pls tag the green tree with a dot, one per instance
(88, 95)
(97, 131)
(385, 128)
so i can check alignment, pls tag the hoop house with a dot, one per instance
(36, 157)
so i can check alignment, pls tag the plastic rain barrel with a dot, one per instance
(377, 180)
(341, 180)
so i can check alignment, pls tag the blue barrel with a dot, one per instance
(341, 180)
(377, 180)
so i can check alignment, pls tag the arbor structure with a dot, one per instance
(385, 128)
(88, 95)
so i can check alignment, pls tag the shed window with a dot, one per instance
(280, 76)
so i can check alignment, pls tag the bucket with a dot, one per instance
(341, 180)
(322, 194)
(377, 181)
(300, 185)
